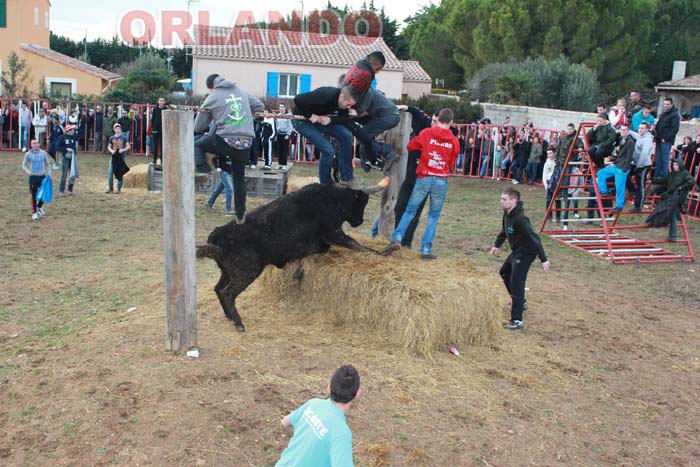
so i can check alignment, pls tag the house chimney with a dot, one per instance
(678, 70)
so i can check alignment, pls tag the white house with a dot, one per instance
(275, 64)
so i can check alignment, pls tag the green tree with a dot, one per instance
(16, 78)
(512, 88)
(465, 111)
(674, 37)
(612, 42)
(147, 78)
(556, 84)
(431, 43)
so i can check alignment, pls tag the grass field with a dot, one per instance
(605, 373)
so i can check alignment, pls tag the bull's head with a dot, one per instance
(359, 202)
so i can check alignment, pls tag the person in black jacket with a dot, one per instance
(99, 127)
(125, 123)
(157, 130)
(618, 166)
(666, 130)
(525, 246)
(326, 112)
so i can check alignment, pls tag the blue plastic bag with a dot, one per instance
(45, 192)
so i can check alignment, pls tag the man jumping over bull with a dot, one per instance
(327, 113)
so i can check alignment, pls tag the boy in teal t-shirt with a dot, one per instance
(322, 436)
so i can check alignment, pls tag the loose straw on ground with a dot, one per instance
(420, 306)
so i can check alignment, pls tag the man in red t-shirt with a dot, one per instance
(439, 150)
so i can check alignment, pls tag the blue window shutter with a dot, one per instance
(305, 83)
(374, 83)
(273, 82)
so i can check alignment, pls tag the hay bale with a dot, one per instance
(137, 177)
(420, 306)
(295, 183)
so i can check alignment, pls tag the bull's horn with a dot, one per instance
(378, 187)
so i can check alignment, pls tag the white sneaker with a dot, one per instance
(576, 216)
(253, 166)
(566, 227)
(35, 216)
(41, 212)
(55, 166)
(268, 167)
(515, 182)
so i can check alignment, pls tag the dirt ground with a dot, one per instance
(605, 373)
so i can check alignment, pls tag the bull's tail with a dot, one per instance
(208, 251)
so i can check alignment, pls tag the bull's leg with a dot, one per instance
(226, 300)
(339, 238)
(227, 292)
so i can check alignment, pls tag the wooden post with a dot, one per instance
(178, 227)
(397, 138)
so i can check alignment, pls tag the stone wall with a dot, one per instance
(558, 119)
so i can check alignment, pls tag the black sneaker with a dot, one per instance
(428, 257)
(364, 163)
(525, 306)
(514, 324)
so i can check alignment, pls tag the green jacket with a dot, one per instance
(604, 136)
(678, 181)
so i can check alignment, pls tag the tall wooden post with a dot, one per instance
(397, 138)
(178, 226)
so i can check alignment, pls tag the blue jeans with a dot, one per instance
(673, 225)
(484, 165)
(314, 133)
(24, 137)
(531, 168)
(663, 150)
(65, 171)
(226, 185)
(436, 187)
(620, 183)
(110, 175)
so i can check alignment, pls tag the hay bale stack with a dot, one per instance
(137, 177)
(420, 306)
(295, 183)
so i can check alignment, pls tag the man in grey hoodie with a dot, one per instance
(641, 162)
(230, 109)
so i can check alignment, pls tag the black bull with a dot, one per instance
(297, 225)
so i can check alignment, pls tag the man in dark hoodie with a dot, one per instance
(157, 130)
(678, 183)
(231, 110)
(618, 167)
(326, 112)
(666, 130)
(525, 246)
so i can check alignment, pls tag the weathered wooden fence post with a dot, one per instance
(398, 138)
(179, 232)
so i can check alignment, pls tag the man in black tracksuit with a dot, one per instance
(419, 122)
(525, 246)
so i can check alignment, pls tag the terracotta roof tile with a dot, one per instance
(688, 82)
(70, 61)
(292, 47)
(412, 71)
